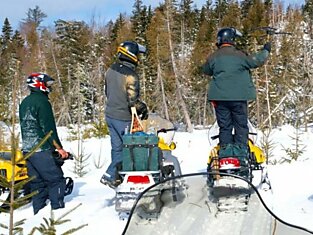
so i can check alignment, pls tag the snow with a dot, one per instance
(291, 198)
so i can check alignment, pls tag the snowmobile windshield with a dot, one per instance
(187, 205)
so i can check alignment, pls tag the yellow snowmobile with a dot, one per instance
(18, 173)
(231, 165)
(9, 173)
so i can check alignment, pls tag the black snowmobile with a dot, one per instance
(193, 210)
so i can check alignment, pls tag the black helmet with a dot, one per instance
(227, 35)
(40, 81)
(129, 51)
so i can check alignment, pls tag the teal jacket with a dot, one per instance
(230, 71)
(36, 120)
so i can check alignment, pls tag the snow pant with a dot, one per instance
(117, 130)
(232, 115)
(48, 181)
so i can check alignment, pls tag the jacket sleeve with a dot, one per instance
(47, 123)
(257, 59)
(206, 68)
(132, 89)
(105, 85)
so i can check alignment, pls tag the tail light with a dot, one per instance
(229, 162)
(138, 179)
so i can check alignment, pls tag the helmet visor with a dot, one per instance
(142, 49)
(49, 83)
(237, 33)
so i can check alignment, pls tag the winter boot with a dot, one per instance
(226, 150)
(241, 152)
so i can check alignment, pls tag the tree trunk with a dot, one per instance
(177, 82)
(65, 109)
(160, 79)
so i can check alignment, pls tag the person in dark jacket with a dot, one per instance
(230, 89)
(36, 121)
(123, 92)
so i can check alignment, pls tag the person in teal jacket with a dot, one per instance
(36, 121)
(230, 89)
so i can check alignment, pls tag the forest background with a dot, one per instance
(179, 37)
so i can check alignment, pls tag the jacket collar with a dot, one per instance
(226, 45)
(128, 64)
(39, 93)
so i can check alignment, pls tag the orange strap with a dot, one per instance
(136, 124)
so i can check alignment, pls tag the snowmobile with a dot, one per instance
(195, 211)
(147, 159)
(6, 175)
(255, 161)
(20, 177)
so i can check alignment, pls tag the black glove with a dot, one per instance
(58, 158)
(142, 110)
(267, 46)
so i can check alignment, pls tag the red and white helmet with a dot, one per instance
(40, 81)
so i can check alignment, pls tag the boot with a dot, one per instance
(226, 150)
(241, 152)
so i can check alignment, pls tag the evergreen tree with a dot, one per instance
(6, 33)
(73, 38)
(308, 14)
(34, 16)
(204, 46)
(8, 70)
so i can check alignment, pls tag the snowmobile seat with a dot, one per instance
(6, 156)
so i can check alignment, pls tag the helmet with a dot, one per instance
(40, 81)
(129, 51)
(227, 35)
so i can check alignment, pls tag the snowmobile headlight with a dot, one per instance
(172, 146)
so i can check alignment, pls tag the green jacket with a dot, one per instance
(36, 120)
(230, 71)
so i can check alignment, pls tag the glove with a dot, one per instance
(142, 110)
(267, 46)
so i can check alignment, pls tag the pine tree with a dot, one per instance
(34, 16)
(6, 33)
(308, 14)
(73, 38)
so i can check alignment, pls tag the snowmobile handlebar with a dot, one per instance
(214, 137)
(58, 156)
(270, 30)
(70, 156)
(164, 130)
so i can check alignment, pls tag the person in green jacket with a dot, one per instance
(36, 121)
(230, 89)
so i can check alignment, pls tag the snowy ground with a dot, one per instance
(292, 186)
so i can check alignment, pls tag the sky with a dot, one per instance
(291, 197)
(100, 10)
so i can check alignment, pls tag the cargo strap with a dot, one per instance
(136, 124)
(131, 149)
